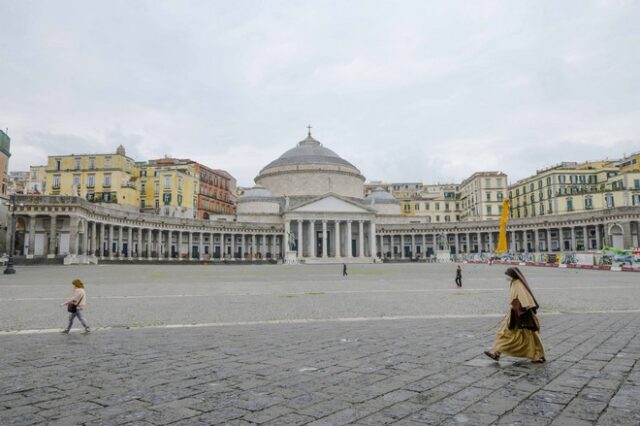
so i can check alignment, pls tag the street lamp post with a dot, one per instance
(9, 269)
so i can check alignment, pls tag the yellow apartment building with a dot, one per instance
(105, 178)
(168, 189)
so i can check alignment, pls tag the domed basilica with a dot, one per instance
(319, 197)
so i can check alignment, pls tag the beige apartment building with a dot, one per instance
(482, 195)
(577, 187)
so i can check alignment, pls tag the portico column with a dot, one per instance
(536, 243)
(179, 245)
(347, 240)
(300, 244)
(468, 236)
(573, 238)
(479, 242)
(201, 246)
(525, 241)
(285, 237)
(336, 238)
(373, 242)
(456, 237)
(402, 246)
(312, 239)
(547, 233)
(598, 242)
(585, 239)
(324, 238)
(139, 251)
(491, 245)
(190, 245)
(360, 238)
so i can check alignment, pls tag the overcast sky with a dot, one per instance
(405, 90)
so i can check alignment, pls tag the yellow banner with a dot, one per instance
(502, 238)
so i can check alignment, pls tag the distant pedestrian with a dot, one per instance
(459, 276)
(75, 305)
(519, 334)
(344, 270)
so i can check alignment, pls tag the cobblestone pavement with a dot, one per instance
(404, 372)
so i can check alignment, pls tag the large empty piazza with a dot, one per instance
(392, 343)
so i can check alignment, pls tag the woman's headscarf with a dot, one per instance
(516, 274)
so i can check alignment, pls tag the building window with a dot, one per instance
(562, 179)
(500, 196)
(180, 200)
(166, 199)
(77, 161)
(143, 187)
(58, 164)
(438, 207)
(489, 210)
(487, 183)
(157, 204)
(488, 196)
(569, 204)
(142, 205)
(107, 161)
(157, 187)
(76, 181)
(437, 218)
(636, 183)
(107, 180)
(167, 182)
(56, 182)
(588, 203)
(92, 163)
(447, 218)
(608, 198)
(179, 183)
(416, 206)
(635, 199)
(426, 206)
(407, 207)
(91, 181)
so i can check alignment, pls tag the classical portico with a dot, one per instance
(332, 228)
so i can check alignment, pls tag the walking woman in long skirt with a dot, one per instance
(519, 334)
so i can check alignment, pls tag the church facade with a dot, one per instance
(309, 203)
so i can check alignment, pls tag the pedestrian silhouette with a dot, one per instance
(344, 270)
(459, 276)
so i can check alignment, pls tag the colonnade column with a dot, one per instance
(468, 241)
(139, 243)
(300, 240)
(129, 242)
(101, 241)
(491, 245)
(52, 237)
(201, 246)
(94, 229)
(548, 238)
(573, 238)
(513, 242)
(347, 240)
(413, 245)
(233, 245)
(160, 253)
(111, 241)
(536, 241)
(402, 246)
(336, 238)
(585, 239)
(190, 248)
(598, 241)
(525, 241)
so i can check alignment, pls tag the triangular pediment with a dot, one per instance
(330, 204)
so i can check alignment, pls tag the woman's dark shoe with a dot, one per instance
(539, 361)
(493, 356)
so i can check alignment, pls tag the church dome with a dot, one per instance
(256, 193)
(379, 195)
(308, 151)
(310, 169)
